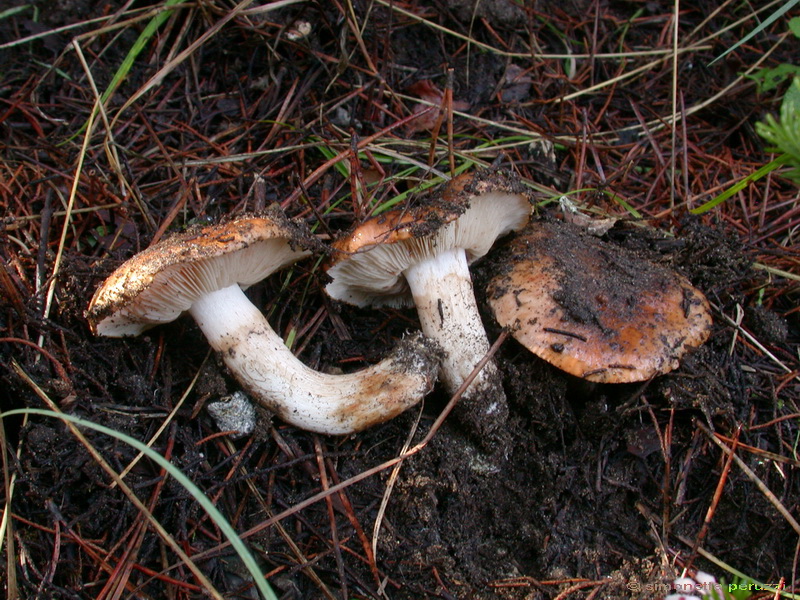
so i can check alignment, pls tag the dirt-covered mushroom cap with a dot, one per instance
(594, 309)
(422, 254)
(163, 281)
(204, 272)
(469, 213)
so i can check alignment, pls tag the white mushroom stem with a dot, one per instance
(330, 404)
(443, 293)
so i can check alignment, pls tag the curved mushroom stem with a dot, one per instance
(445, 300)
(330, 404)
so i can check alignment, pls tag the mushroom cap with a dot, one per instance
(161, 282)
(596, 310)
(470, 212)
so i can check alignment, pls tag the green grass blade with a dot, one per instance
(141, 42)
(767, 22)
(213, 512)
(716, 200)
(10, 12)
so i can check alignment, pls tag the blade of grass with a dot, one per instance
(127, 63)
(188, 51)
(141, 42)
(6, 524)
(734, 189)
(71, 26)
(103, 464)
(778, 593)
(767, 22)
(203, 500)
(10, 12)
(676, 21)
(67, 221)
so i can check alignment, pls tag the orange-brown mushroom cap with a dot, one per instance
(161, 282)
(470, 212)
(596, 310)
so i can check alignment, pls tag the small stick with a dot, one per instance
(753, 477)
(715, 500)
(448, 107)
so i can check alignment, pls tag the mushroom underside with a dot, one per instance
(146, 292)
(373, 274)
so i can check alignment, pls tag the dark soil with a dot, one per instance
(602, 491)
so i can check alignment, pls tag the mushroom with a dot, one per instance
(204, 272)
(593, 309)
(422, 255)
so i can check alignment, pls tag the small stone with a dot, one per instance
(234, 413)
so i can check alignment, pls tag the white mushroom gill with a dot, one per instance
(330, 404)
(146, 293)
(427, 253)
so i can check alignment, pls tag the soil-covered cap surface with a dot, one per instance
(595, 310)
